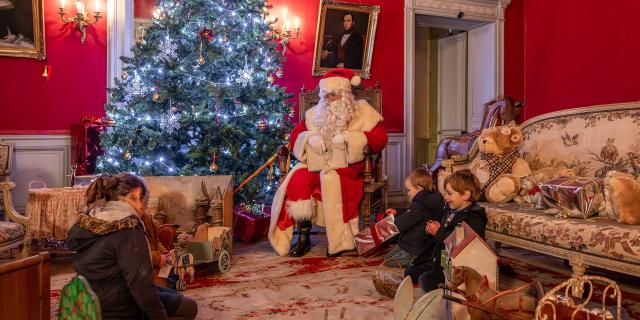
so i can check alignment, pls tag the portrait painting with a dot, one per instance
(22, 28)
(345, 37)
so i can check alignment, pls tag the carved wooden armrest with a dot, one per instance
(9, 210)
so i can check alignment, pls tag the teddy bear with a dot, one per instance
(621, 197)
(500, 168)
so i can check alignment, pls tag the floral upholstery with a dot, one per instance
(597, 236)
(10, 231)
(591, 140)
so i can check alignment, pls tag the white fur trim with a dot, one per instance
(339, 234)
(356, 80)
(335, 83)
(281, 239)
(365, 117)
(301, 209)
(300, 145)
(356, 141)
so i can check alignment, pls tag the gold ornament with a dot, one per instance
(126, 155)
(213, 167)
(124, 76)
(270, 79)
(270, 173)
(262, 125)
(201, 57)
(153, 143)
(156, 96)
(292, 113)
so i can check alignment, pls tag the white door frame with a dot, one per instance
(119, 37)
(479, 10)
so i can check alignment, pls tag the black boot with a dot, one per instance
(304, 240)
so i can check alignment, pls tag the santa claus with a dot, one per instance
(330, 197)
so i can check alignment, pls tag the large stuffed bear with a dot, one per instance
(499, 167)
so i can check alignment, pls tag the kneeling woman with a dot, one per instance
(113, 253)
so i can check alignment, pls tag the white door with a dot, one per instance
(452, 67)
(481, 72)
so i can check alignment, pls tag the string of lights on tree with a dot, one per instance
(198, 95)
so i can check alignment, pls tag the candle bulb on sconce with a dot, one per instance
(81, 19)
(284, 34)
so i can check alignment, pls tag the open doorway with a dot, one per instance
(454, 76)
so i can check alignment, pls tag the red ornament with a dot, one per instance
(207, 34)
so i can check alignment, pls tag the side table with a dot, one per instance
(52, 211)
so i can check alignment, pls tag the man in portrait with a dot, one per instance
(345, 50)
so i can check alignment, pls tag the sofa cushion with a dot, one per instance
(598, 236)
(10, 231)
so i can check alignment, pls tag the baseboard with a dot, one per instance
(38, 157)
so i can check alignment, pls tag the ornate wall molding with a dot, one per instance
(484, 9)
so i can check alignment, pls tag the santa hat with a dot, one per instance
(339, 79)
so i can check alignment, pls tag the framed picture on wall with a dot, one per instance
(345, 37)
(140, 26)
(22, 28)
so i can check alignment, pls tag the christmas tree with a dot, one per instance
(198, 95)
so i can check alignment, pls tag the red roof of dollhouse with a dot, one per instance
(469, 236)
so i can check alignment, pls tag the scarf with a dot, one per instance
(498, 164)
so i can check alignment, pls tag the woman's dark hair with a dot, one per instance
(110, 188)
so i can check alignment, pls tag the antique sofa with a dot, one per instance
(591, 141)
(13, 230)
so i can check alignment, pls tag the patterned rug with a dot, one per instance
(261, 285)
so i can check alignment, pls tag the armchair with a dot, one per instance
(14, 231)
(375, 185)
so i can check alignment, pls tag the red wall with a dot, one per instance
(580, 53)
(31, 104)
(514, 50)
(387, 62)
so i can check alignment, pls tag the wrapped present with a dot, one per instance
(375, 238)
(574, 197)
(251, 223)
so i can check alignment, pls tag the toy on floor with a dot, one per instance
(182, 263)
(483, 302)
(559, 302)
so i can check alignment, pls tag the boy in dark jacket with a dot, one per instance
(426, 204)
(462, 190)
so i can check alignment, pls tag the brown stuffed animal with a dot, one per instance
(621, 194)
(500, 166)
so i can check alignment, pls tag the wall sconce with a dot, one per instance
(283, 33)
(81, 19)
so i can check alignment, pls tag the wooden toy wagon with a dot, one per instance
(210, 245)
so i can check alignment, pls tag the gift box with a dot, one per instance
(251, 223)
(374, 239)
(575, 197)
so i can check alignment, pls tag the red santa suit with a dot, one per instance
(331, 197)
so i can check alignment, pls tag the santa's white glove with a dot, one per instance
(316, 143)
(339, 141)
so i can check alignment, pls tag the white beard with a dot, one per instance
(333, 118)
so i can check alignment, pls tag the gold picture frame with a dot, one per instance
(353, 52)
(20, 39)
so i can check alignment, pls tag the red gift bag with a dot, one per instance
(374, 239)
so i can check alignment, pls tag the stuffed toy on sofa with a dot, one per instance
(500, 167)
(621, 193)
